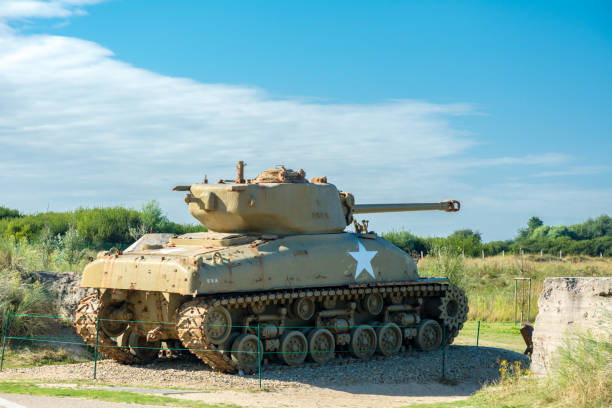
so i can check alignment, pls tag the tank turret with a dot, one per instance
(283, 201)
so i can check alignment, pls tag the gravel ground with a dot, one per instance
(463, 364)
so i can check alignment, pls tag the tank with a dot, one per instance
(276, 274)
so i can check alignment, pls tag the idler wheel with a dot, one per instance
(247, 350)
(373, 303)
(429, 335)
(217, 325)
(321, 345)
(389, 338)
(139, 347)
(294, 347)
(304, 308)
(363, 342)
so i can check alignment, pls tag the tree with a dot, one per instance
(533, 223)
(467, 233)
(152, 216)
(8, 213)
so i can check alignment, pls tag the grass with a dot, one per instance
(20, 297)
(492, 334)
(581, 378)
(36, 356)
(30, 388)
(489, 282)
(68, 252)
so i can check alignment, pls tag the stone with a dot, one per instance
(568, 306)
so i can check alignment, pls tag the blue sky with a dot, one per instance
(503, 105)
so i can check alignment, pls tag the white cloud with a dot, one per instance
(19, 9)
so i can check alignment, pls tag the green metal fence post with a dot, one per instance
(259, 355)
(6, 326)
(443, 351)
(96, 349)
(478, 334)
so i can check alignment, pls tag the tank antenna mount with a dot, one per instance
(240, 177)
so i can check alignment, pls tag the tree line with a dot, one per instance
(592, 237)
(98, 227)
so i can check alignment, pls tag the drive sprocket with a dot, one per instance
(453, 311)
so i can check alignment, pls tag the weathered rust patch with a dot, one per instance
(300, 252)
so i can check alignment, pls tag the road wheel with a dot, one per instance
(363, 341)
(389, 339)
(294, 347)
(429, 335)
(321, 345)
(247, 351)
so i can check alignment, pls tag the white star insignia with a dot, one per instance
(364, 260)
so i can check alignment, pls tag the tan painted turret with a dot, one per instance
(283, 201)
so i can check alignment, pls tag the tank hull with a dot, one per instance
(202, 265)
(216, 294)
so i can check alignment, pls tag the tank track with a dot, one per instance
(85, 323)
(192, 314)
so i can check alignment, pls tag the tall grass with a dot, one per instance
(489, 282)
(448, 264)
(582, 377)
(22, 298)
(59, 253)
(19, 294)
(584, 374)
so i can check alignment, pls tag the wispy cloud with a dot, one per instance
(545, 159)
(574, 171)
(18, 9)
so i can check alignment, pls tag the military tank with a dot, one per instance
(276, 273)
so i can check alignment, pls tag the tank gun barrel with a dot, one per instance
(448, 206)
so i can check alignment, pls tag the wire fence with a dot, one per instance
(256, 330)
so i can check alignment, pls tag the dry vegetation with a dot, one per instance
(582, 378)
(489, 282)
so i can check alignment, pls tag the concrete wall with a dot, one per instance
(567, 305)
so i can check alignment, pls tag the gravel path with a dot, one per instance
(465, 364)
